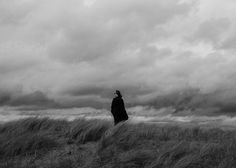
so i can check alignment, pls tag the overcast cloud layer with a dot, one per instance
(75, 53)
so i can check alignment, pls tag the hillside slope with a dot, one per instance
(46, 143)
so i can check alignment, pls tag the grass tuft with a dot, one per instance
(47, 143)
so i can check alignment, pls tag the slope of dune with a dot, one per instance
(47, 143)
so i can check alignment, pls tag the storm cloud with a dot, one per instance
(75, 53)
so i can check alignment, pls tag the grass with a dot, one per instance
(47, 143)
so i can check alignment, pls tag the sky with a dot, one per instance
(76, 53)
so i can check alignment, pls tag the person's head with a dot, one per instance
(118, 93)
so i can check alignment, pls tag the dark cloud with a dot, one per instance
(212, 30)
(218, 102)
(193, 99)
(36, 100)
(8, 14)
(76, 53)
(229, 43)
(115, 27)
(130, 92)
(4, 98)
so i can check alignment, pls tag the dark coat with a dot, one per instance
(118, 110)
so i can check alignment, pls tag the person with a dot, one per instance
(118, 108)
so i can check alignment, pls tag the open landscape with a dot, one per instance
(48, 143)
(117, 84)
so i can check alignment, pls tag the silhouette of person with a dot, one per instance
(118, 108)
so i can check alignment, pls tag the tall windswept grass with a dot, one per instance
(32, 135)
(47, 143)
(82, 131)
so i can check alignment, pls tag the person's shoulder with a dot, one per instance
(115, 98)
(119, 99)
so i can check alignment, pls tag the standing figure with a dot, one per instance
(118, 108)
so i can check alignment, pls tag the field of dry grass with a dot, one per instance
(46, 143)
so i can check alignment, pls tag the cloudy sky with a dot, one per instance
(75, 53)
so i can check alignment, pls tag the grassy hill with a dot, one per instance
(46, 143)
